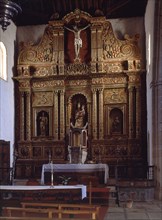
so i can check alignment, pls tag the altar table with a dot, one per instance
(74, 168)
(21, 188)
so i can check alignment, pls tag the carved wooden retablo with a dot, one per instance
(79, 60)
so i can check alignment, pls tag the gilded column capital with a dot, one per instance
(62, 91)
(56, 92)
(94, 90)
(100, 90)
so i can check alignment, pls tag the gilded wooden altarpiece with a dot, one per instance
(105, 75)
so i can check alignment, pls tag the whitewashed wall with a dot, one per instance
(149, 27)
(7, 89)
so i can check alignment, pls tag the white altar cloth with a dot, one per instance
(29, 188)
(74, 168)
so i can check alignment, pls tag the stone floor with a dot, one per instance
(140, 211)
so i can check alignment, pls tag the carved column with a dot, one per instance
(99, 50)
(130, 112)
(62, 115)
(55, 52)
(93, 49)
(22, 111)
(100, 113)
(138, 112)
(58, 47)
(89, 106)
(28, 116)
(94, 114)
(61, 52)
(55, 115)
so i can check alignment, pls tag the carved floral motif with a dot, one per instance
(44, 84)
(77, 82)
(77, 69)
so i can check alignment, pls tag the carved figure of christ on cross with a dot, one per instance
(77, 38)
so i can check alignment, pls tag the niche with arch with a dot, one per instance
(79, 104)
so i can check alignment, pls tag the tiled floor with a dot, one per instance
(140, 211)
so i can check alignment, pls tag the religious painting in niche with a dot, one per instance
(43, 123)
(116, 121)
(79, 116)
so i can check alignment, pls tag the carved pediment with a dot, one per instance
(101, 50)
(114, 48)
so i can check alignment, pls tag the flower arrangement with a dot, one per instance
(64, 179)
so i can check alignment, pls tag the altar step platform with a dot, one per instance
(117, 194)
(95, 193)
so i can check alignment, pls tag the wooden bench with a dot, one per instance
(92, 210)
(51, 210)
(23, 218)
(19, 211)
(35, 218)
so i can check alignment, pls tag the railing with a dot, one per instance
(137, 172)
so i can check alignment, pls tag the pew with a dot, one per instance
(52, 211)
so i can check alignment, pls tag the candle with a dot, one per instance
(51, 173)
(49, 155)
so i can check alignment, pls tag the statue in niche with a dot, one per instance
(77, 38)
(79, 116)
(42, 123)
(117, 125)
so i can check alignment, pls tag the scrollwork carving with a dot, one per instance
(114, 48)
(43, 52)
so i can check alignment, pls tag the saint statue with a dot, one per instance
(116, 125)
(79, 116)
(77, 38)
(43, 124)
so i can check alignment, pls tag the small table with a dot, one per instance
(75, 168)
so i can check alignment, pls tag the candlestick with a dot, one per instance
(51, 173)
(49, 156)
